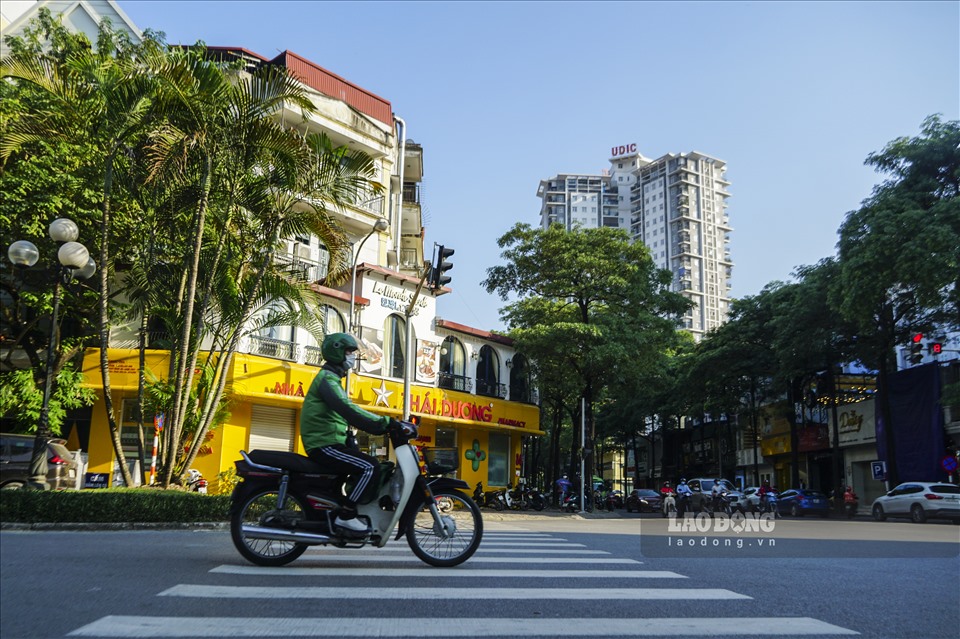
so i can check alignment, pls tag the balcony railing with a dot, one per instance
(312, 355)
(491, 389)
(454, 382)
(528, 396)
(411, 193)
(302, 269)
(373, 205)
(275, 348)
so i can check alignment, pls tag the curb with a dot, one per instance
(136, 525)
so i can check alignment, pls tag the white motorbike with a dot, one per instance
(286, 503)
(669, 505)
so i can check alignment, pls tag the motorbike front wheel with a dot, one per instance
(465, 529)
(259, 508)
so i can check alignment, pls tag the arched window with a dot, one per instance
(520, 379)
(488, 373)
(453, 366)
(333, 321)
(394, 342)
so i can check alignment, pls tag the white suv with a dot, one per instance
(919, 501)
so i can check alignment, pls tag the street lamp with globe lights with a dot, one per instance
(75, 261)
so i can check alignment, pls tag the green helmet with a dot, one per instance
(336, 345)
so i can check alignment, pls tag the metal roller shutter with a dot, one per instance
(272, 428)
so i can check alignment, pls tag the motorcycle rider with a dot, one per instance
(717, 492)
(668, 495)
(563, 489)
(850, 501)
(684, 493)
(326, 414)
(767, 494)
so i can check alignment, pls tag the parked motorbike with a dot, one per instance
(196, 482)
(535, 498)
(487, 499)
(571, 503)
(515, 499)
(285, 503)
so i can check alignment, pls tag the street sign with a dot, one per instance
(96, 480)
(879, 470)
(949, 464)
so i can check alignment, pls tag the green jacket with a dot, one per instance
(327, 411)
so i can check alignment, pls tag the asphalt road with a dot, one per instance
(534, 576)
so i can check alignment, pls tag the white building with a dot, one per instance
(675, 205)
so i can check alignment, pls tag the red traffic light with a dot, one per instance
(917, 338)
(936, 348)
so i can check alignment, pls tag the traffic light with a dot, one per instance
(935, 348)
(440, 266)
(916, 348)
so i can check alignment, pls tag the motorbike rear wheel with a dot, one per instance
(538, 502)
(431, 546)
(259, 508)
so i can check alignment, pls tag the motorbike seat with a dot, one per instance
(294, 462)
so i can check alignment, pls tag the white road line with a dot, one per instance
(526, 551)
(530, 544)
(514, 594)
(295, 571)
(431, 627)
(317, 558)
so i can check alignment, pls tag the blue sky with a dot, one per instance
(793, 96)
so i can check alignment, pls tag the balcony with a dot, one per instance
(491, 389)
(411, 193)
(274, 348)
(528, 396)
(373, 205)
(301, 269)
(453, 382)
(312, 356)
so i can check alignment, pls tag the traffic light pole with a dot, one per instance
(411, 359)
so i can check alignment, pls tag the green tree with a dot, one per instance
(899, 253)
(589, 301)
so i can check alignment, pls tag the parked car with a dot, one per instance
(801, 501)
(919, 501)
(702, 489)
(751, 499)
(16, 451)
(643, 500)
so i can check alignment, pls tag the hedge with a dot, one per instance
(112, 505)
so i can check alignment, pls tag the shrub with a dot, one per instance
(112, 505)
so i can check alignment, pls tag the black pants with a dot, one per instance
(340, 459)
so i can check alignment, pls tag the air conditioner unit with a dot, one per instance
(304, 252)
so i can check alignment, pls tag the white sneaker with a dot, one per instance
(353, 525)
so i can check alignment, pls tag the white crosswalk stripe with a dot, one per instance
(431, 627)
(599, 576)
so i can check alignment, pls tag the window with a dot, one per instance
(394, 340)
(498, 460)
(488, 373)
(453, 366)
(520, 380)
(333, 321)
